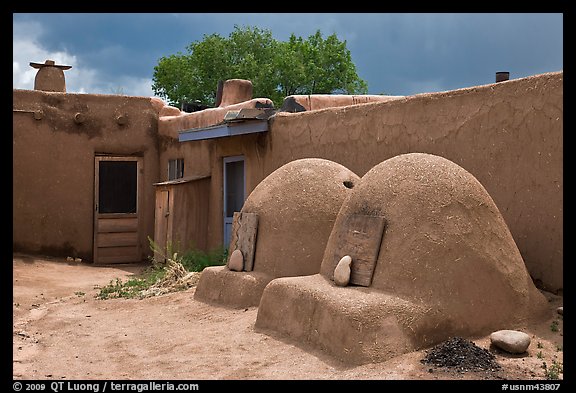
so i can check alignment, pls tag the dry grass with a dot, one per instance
(175, 278)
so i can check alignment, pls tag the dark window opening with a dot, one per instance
(234, 187)
(175, 168)
(117, 187)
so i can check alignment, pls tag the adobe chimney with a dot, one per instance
(502, 76)
(50, 77)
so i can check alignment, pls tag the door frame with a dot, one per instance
(106, 157)
(228, 220)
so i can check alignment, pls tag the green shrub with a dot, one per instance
(197, 260)
(192, 261)
(132, 287)
(554, 371)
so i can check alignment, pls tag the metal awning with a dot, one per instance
(244, 121)
(222, 130)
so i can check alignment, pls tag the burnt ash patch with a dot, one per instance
(459, 354)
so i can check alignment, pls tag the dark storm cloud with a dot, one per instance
(110, 42)
(407, 53)
(395, 53)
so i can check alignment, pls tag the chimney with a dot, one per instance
(50, 77)
(502, 76)
(219, 93)
(235, 91)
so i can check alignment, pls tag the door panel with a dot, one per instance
(116, 223)
(107, 252)
(116, 239)
(162, 216)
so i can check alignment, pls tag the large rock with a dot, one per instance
(511, 341)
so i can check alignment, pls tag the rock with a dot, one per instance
(342, 271)
(236, 262)
(511, 341)
(560, 310)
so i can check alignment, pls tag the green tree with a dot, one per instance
(174, 80)
(276, 68)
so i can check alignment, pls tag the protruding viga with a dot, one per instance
(342, 271)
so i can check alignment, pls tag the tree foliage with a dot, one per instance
(315, 65)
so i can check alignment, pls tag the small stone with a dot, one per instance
(236, 262)
(511, 341)
(342, 271)
(560, 310)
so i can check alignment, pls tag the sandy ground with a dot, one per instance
(61, 331)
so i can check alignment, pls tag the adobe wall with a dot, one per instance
(312, 102)
(197, 154)
(53, 166)
(508, 135)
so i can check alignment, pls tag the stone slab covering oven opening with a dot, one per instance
(281, 230)
(445, 265)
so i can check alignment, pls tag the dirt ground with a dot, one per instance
(61, 331)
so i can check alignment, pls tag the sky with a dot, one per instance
(395, 53)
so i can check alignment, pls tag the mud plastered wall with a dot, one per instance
(53, 165)
(509, 135)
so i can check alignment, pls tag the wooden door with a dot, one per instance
(117, 191)
(161, 225)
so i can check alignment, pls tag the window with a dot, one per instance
(234, 187)
(117, 185)
(175, 168)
